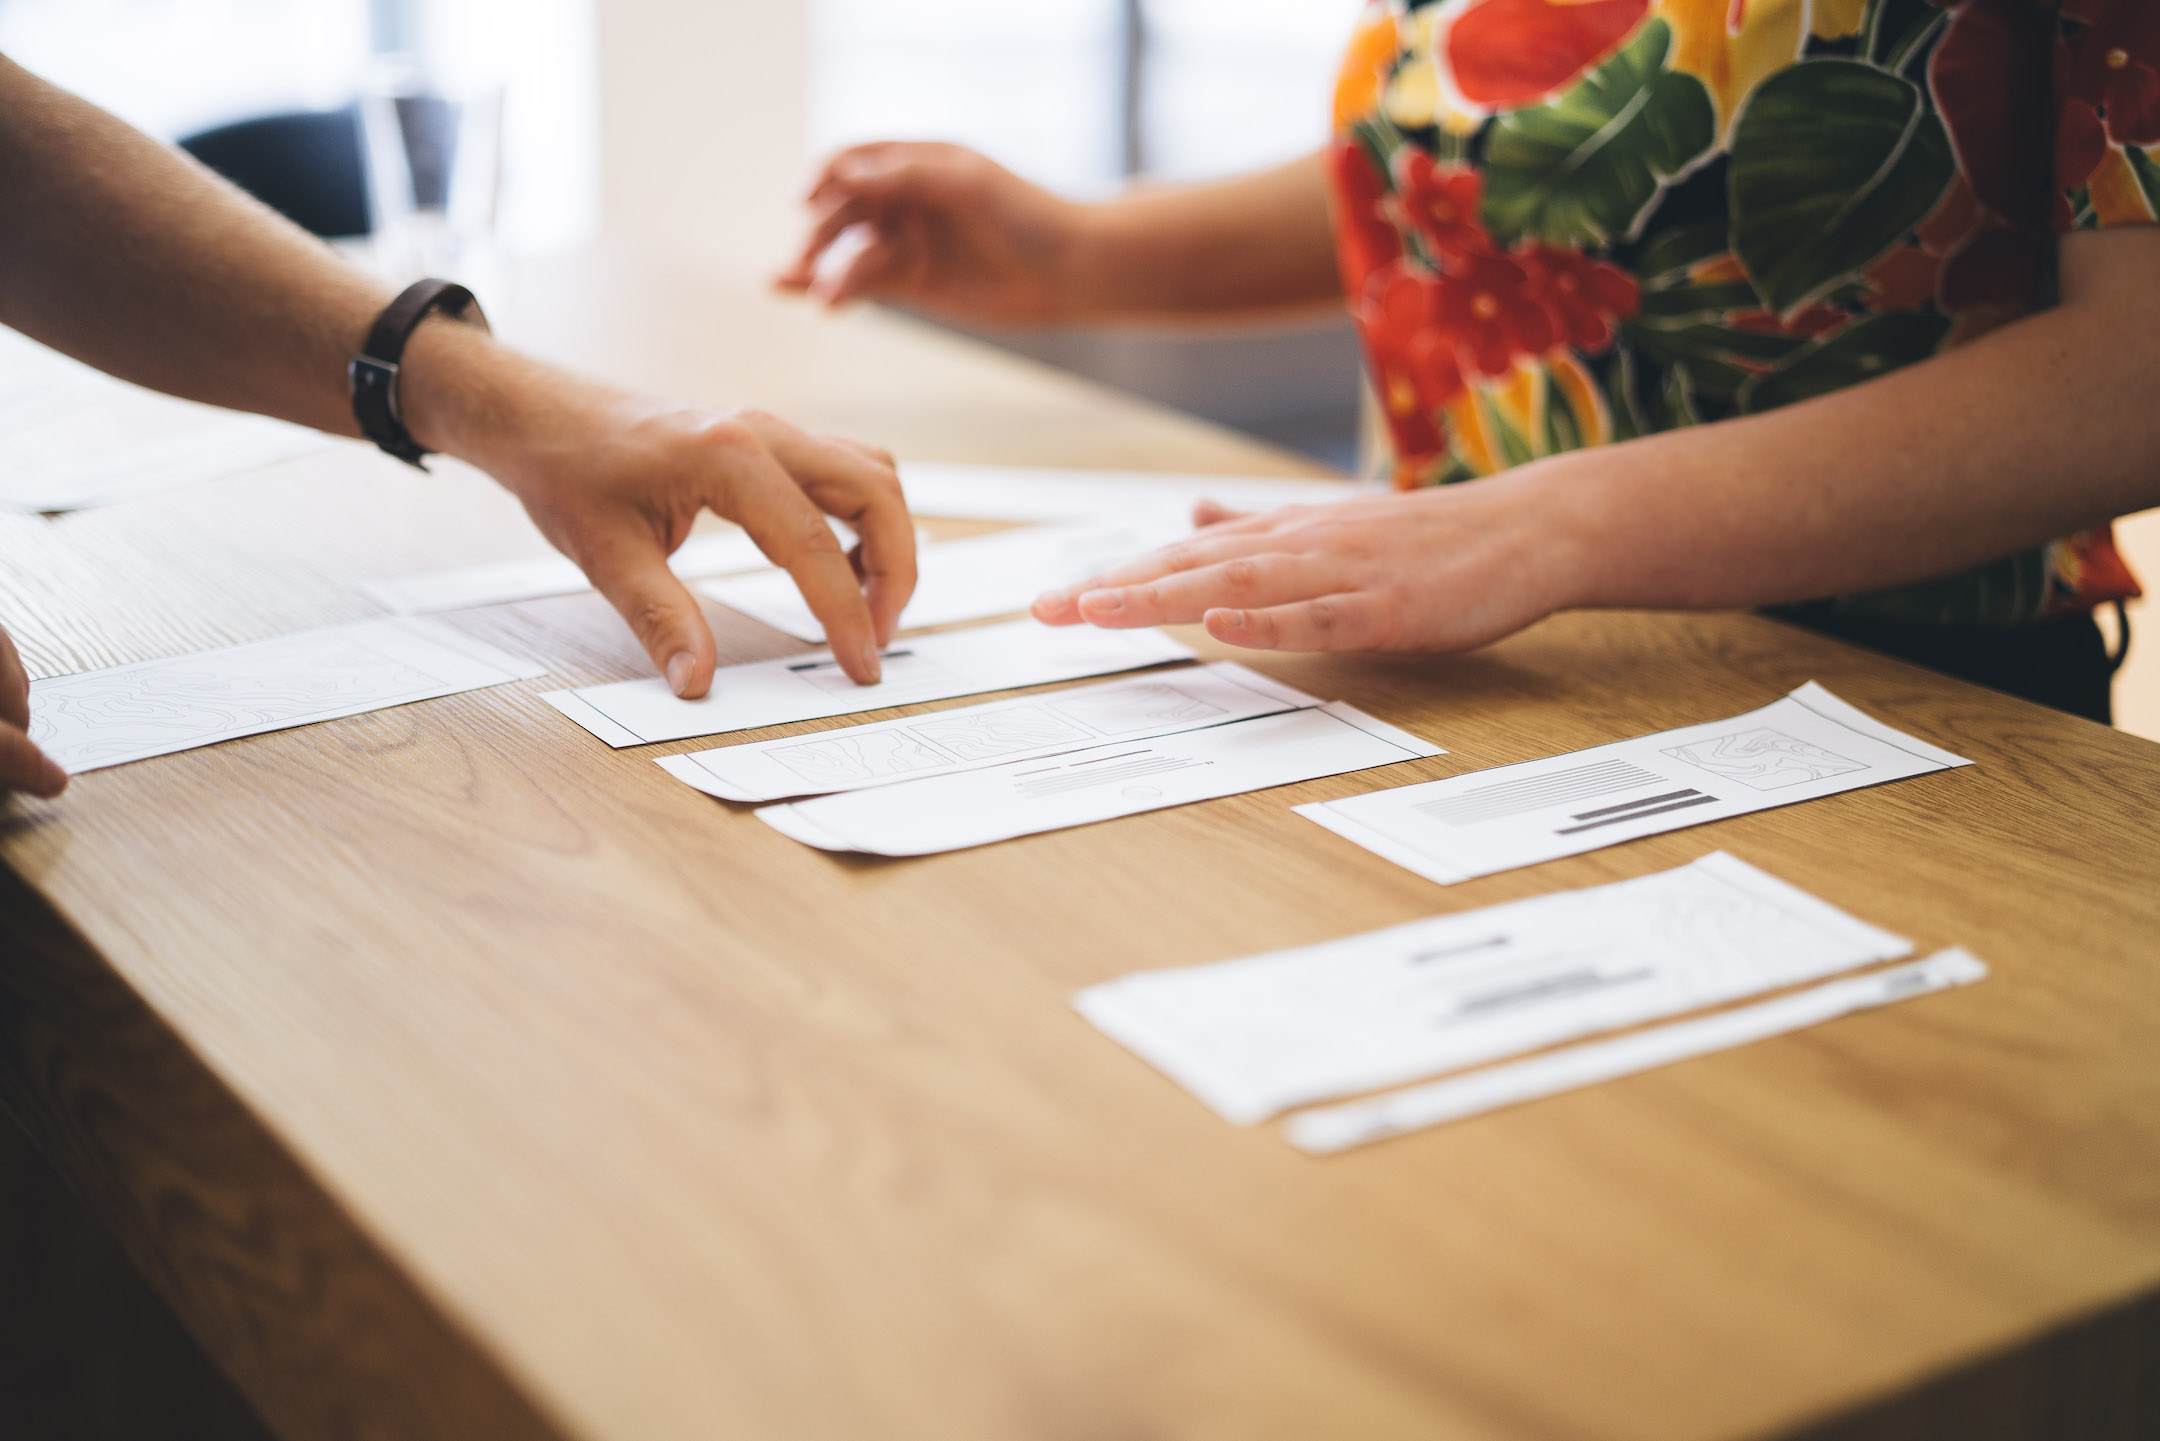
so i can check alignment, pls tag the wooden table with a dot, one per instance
(457, 1077)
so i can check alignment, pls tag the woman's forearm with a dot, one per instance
(1257, 242)
(2044, 427)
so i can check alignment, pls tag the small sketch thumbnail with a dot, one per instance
(1764, 759)
(863, 757)
(1116, 709)
(998, 733)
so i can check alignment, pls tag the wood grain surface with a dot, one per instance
(534, 1092)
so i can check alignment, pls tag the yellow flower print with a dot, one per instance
(1836, 19)
(1734, 45)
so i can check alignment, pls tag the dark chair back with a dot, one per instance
(306, 165)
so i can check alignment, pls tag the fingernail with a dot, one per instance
(679, 667)
(873, 664)
(1234, 619)
(1051, 598)
(1103, 600)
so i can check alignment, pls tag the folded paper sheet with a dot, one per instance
(1337, 1128)
(1021, 798)
(1255, 1036)
(71, 436)
(920, 746)
(155, 707)
(812, 686)
(1001, 492)
(972, 579)
(1807, 745)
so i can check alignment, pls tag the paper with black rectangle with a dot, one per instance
(1804, 746)
(995, 803)
(1255, 1036)
(994, 733)
(812, 686)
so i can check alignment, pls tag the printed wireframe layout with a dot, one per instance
(943, 740)
(1764, 759)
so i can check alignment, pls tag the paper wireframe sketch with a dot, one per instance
(916, 747)
(708, 553)
(812, 686)
(1020, 798)
(972, 579)
(1338, 1128)
(71, 436)
(1255, 1036)
(155, 707)
(1801, 747)
(1008, 492)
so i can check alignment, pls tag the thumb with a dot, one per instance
(23, 767)
(632, 572)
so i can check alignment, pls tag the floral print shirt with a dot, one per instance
(1568, 222)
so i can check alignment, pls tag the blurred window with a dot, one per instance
(172, 67)
(1080, 95)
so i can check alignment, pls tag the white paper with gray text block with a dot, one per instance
(1255, 1036)
(1804, 746)
(1103, 782)
(917, 747)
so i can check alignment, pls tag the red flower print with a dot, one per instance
(1505, 54)
(1985, 83)
(1366, 241)
(1490, 303)
(1584, 296)
(1413, 360)
(1443, 203)
(2114, 66)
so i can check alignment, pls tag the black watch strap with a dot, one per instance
(374, 371)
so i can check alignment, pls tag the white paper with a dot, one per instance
(155, 707)
(707, 553)
(920, 746)
(1337, 1128)
(812, 686)
(972, 579)
(72, 436)
(1255, 1036)
(1021, 798)
(1804, 746)
(1010, 492)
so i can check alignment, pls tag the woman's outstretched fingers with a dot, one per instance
(1332, 622)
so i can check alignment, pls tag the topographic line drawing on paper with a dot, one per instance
(1764, 759)
(859, 757)
(121, 712)
(1118, 709)
(999, 733)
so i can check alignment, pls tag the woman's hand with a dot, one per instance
(1431, 570)
(23, 767)
(941, 226)
(615, 481)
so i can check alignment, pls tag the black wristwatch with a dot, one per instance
(374, 371)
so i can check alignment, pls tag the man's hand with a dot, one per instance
(23, 767)
(942, 227)
(1432, 570)
(615, 481)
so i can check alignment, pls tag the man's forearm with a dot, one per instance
(2038, 430)
(127, 255)
(1257, 242)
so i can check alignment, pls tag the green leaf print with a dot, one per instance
(1833, 162)
(1586, 168)
(1861, 351)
